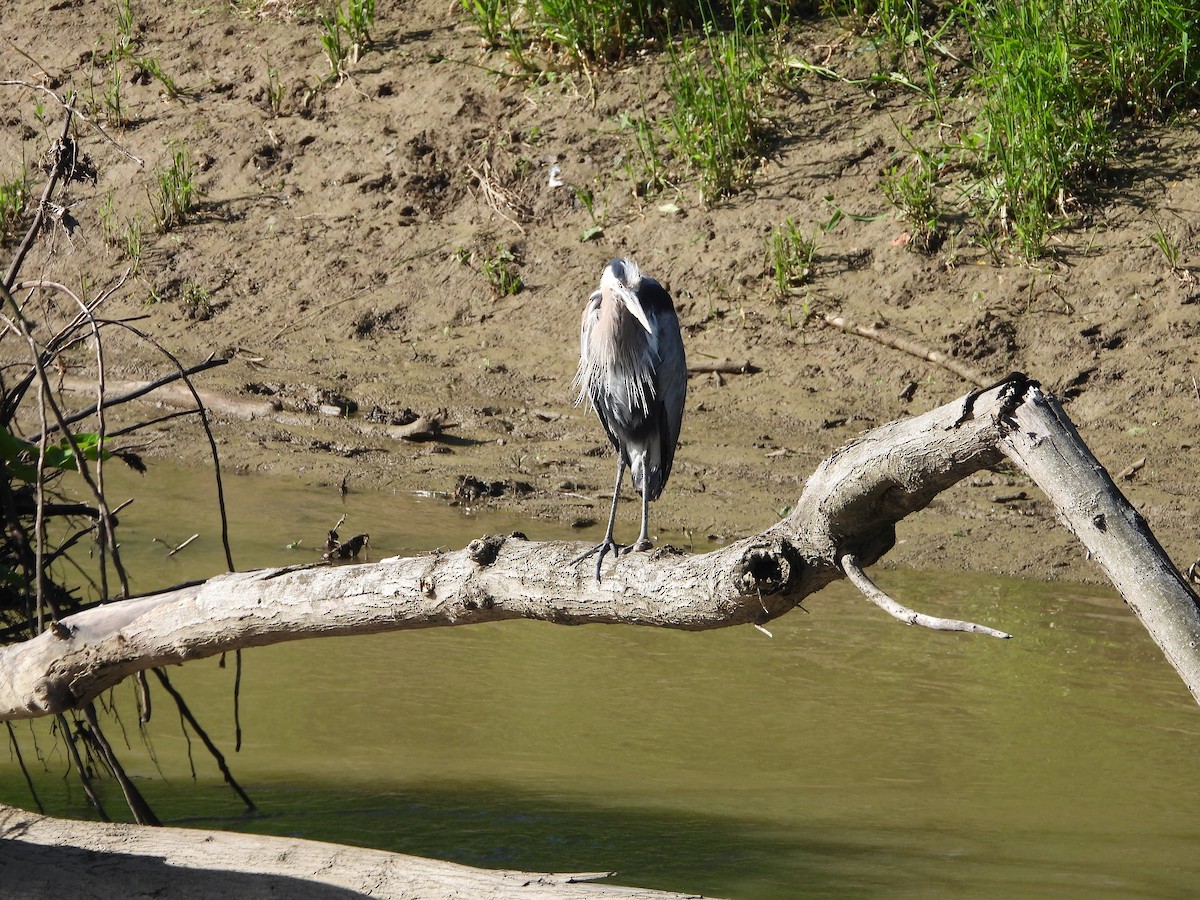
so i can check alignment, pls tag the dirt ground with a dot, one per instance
(337, 257)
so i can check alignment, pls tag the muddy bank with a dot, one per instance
(337, 259)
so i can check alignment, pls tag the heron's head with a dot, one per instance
(620, 283)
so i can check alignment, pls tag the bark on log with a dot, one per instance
(849, 508)
(54, 858)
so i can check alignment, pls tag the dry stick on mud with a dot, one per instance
(722, 367)
(905, 345)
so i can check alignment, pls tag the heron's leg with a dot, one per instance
(643, 541)
(608, 543)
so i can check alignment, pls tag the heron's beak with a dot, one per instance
(634, 305)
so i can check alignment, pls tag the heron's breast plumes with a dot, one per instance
(617, 362)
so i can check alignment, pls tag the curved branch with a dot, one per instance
(39, 214)
(857, 577)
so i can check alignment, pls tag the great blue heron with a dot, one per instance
(633, 372)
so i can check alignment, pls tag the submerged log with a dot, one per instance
(46, 857)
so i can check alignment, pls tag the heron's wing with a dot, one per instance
(670, 388)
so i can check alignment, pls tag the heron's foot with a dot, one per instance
(640, 547)
(602, 549)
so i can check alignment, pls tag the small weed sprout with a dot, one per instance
(790, 257)
(149, 67)
(490, 17)
(333, 45)
(346, 35)
(193, 297)
(113, 111)
(126, 30)
(646, 169)
(358, 22)
(500, 271)
(275, 90)
(587, 200)
(912, 189)
(177, 193)
(1170, 247)
(14, 197)
(108, 220)
(133, 240)
(125, 235)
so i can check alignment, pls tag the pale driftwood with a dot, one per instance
(53, 858)
(1129, 471)
(177, 395)
(507, 579)
(423, 428)
(849, 506)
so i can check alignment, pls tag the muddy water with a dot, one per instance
(847, 756)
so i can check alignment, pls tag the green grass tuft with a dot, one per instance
(177, 192)
(14, 197)
(717, 126)
(1054, 78)
(790, 257)
(501, 273)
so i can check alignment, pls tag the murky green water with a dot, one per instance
(848, 756)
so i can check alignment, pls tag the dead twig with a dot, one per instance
(907, 346)
(39, 215)
(498, 197)
(722, 367)
(1129, 471)
(184, 544)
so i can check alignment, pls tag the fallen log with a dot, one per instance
(51, 858)
(844, 519)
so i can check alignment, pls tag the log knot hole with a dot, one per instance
(483, 551)
(768, 569)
